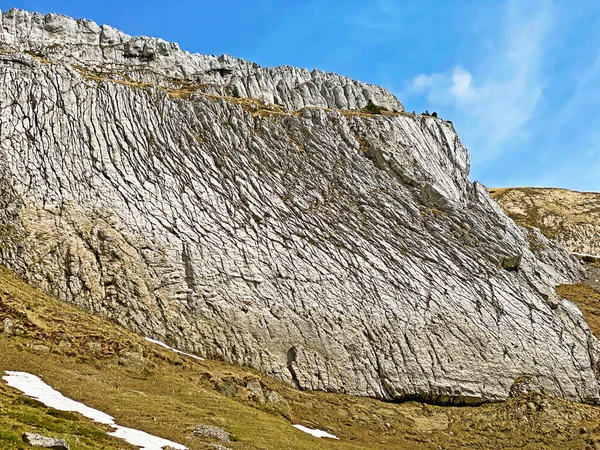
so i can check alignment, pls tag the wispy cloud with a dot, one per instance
(585, 97)
(492, 102)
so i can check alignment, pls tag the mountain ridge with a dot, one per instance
(104, 45)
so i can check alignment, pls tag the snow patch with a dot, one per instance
(315, 432)
(585, 254)
(162, 344)
(34, 387)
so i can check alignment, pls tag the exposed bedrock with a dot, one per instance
(332, 249)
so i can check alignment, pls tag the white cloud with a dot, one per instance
(461, 84)
(493, 101)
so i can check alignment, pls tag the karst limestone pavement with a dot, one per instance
(327, 247)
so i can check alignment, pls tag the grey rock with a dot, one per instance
(274, 397)
(212, 432)
(106, 49)
(524, 385)
(131, 359)
(335, 251)
(256, 390)
(37, 440)
(7, 326)
(228, 388)
(219, 447)
(511, 262)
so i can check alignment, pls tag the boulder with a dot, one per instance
(38, 440)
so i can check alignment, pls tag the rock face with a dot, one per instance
(568, 217)
(333, 249)
(141, 58)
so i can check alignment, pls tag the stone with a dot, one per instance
(256, 391)
(274, 397)
(511, 262)
(228, 388)
(38, 440)
(332, 250)
(212, 432)
(131, 359)
(40, 349)
(8, 326)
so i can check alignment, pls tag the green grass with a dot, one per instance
(19, 414)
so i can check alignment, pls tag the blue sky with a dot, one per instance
(520, 79)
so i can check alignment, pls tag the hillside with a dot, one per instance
(148, 387)
(569, 217)
(266, 218)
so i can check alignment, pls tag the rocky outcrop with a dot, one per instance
(211, 431)
(568, 217)
(104, 49)
(336, 250)
(37, 440)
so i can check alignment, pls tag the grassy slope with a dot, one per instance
(19, 414)
(143, 386)
(587, 300)
(554, 211)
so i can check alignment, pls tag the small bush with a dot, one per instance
(426, 113)
(373, 108)
(434, 114)
(589, 259)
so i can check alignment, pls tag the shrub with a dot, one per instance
(589, 259)
(373, 108)
(426, 113)
(434, 114)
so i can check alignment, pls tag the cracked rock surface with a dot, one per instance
(329, 248)
(84, 42)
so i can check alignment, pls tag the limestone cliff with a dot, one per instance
(327, 247)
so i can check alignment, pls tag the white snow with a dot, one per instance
(315, 433)
(585, 254)
(34, 387)
(162, 344)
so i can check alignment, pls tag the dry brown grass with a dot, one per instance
(110, 77)
(588, 301)
(365, 114)
(37, 57)
(568, 217)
